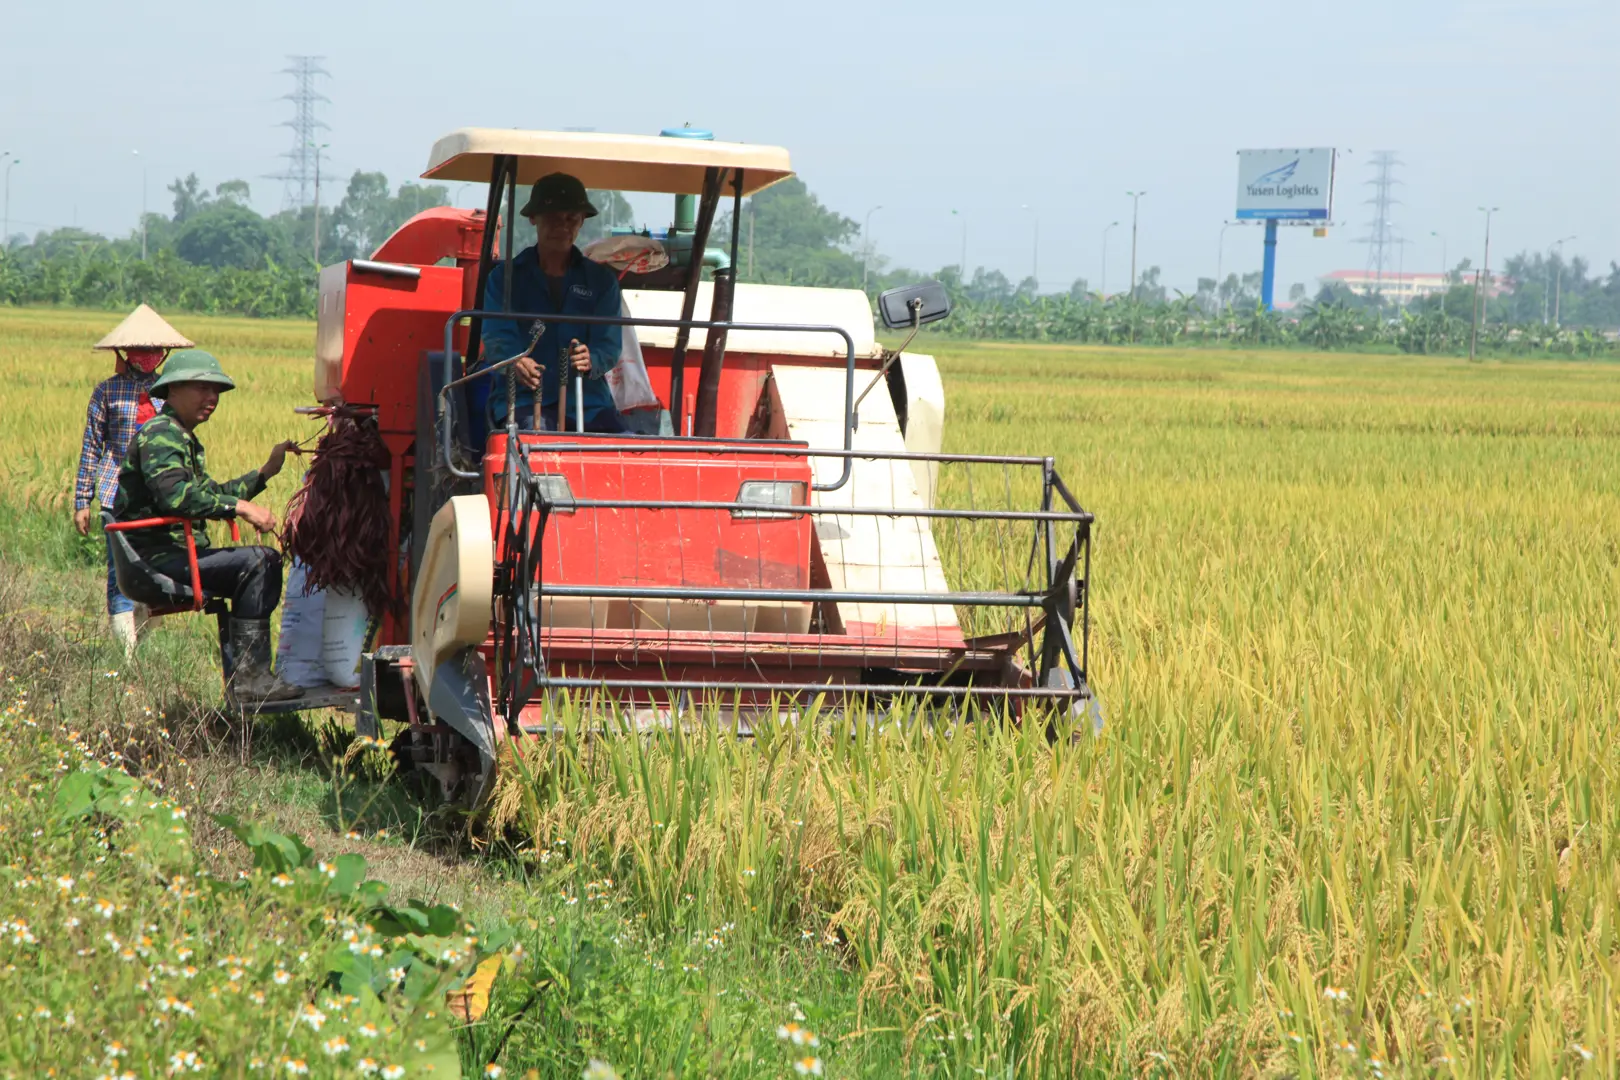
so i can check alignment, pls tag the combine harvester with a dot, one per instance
(793, 534)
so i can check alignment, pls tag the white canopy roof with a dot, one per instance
(606, 162)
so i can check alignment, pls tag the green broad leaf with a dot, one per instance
(76, 796)
(272, 851)
(587, 963)
(400, 959)
(443, 920)
(359, 973)
(496, 938)
(351, 871)
(431, 1049)
(396, 921)
(371, 892)
(423, 983)
(432, 947)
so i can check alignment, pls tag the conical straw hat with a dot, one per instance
(144, 329)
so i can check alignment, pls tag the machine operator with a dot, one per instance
(554, 278)
(165, 474)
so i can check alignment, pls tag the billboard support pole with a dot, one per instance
(1268, 270)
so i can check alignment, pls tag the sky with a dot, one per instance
(1030, 120)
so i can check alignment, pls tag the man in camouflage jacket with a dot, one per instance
(165, 474)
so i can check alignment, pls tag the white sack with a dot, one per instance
(347, 628)
(299, 650)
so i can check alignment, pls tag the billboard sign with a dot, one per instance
(1286, 185)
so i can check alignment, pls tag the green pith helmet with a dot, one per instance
(193, 365)
(557, 192)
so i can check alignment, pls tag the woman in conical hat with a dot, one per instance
(118, 407)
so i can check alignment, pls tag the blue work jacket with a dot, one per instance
(588, 288)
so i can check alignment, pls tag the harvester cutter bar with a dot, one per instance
(563, 682)
(770, 650)
(686, 592)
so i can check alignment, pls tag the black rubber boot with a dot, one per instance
(253, 681)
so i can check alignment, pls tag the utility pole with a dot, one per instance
(318, 150)
(964, 244)
(1220, 262)
(1558, 290)
(1445, 272)
(5, 222)
(304, 70)
(866, 243)
(750, 239)
(137, 153)
(1481, 281)
(1102, 289)
(1035, 253)
(1381, 229)
(1484, 303)
(1136, 198)
(1546, 293)
(1400, 276)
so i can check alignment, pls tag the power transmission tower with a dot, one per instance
(1381, 240)
(303, 159)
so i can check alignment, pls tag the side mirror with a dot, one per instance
(913, 305)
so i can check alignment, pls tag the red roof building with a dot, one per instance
(1404, 288)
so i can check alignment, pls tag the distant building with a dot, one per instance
(1404, 288)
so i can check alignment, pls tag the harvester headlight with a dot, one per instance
(769, 493)
(554, 489)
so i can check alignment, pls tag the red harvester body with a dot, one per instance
(795, 549)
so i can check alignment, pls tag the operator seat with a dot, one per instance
(144, 583)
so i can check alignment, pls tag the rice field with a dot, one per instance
(1355, 810)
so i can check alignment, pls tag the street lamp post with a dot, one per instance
(958, 214)
(1402, 293)
(1035, 251)
(1103, 287)
(1482, 279)
(137, 153)
(1220, 260)
(866, 243)
(1558, 289)
(318, 150)
(1136, 198)
(5, 222)
(1445, 272)
(1546, 293)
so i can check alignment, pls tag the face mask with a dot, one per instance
(145, 361)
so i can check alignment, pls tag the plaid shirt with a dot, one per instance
(109, 426)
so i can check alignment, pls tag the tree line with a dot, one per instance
(1325, 325)
(214, 253)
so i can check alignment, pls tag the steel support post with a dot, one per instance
(1268, 271)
